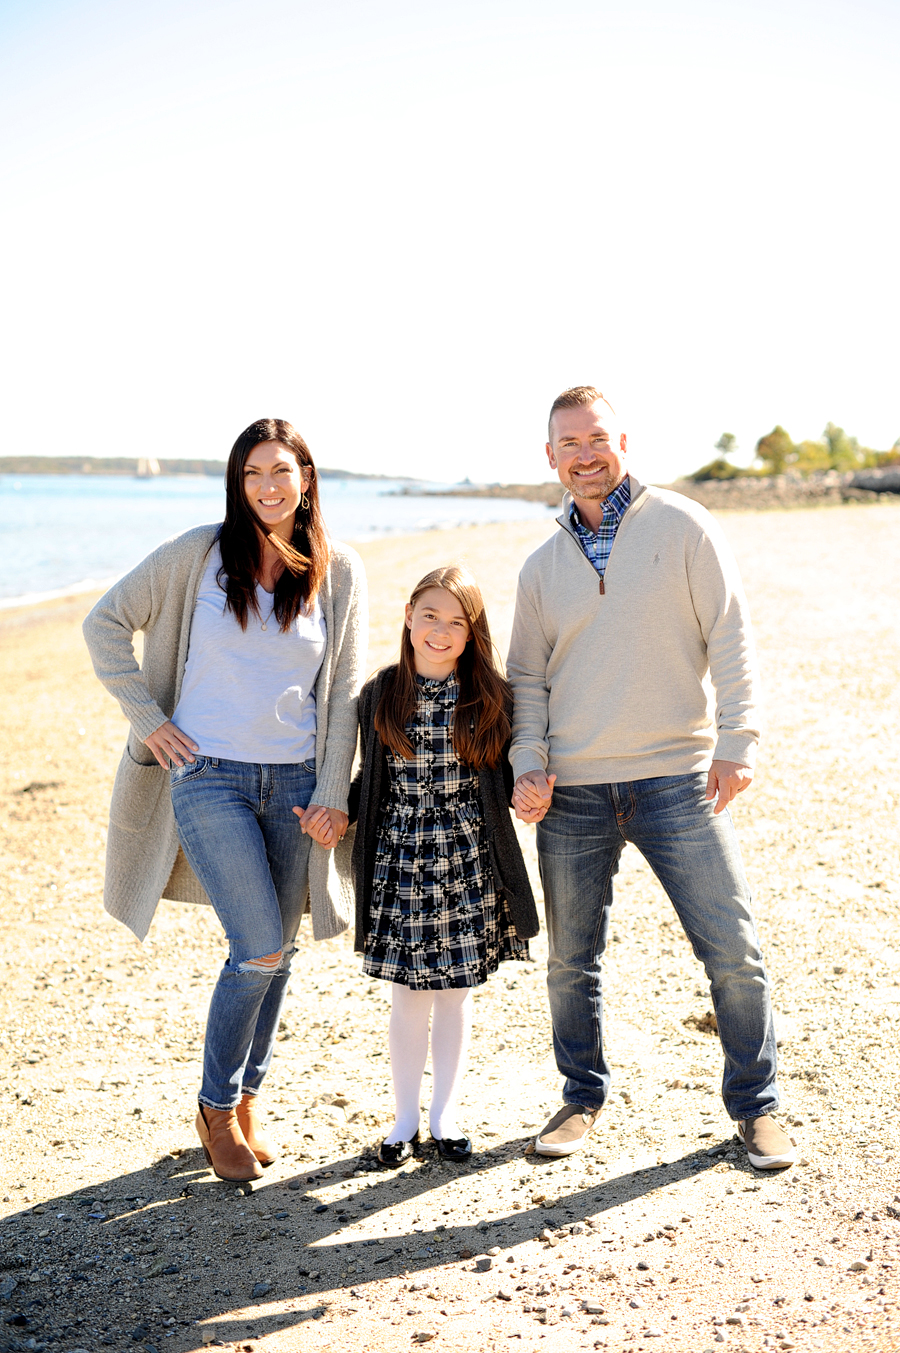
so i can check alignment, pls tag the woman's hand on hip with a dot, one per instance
(327, 826)
(169, 744)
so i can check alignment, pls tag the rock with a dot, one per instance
(592, 1308)
(637, 1303)
(322, 1207)
(139, 1334)
(503, 1296)
(719, 1263)
(858, 1266)
(653, 1333)
(483, 1265)
(606, 1274)
(735, 1320)
(295, 1184)
(494, 1250)
(261, 1289)
(7, 1287)
(422, 1336)
(568, 1311)
(643, 1265)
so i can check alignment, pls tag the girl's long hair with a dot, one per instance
(482, 720)
(242, 534)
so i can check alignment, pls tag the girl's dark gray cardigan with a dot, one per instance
(369, 789)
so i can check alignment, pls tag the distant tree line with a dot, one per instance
(776, 453)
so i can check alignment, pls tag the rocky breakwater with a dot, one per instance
(793, 490)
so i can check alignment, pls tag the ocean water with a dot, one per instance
(61, 533)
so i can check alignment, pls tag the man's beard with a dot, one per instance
(597, 488)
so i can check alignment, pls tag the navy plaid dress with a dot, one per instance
(436, 920)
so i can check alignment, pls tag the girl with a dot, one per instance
(442, 894)
(243, 717)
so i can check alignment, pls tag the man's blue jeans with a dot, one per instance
(696, 858)
(245, 845)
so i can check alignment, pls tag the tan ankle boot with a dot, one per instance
(224, 1145)
(262, 1146)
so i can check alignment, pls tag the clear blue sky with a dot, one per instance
(405, 227)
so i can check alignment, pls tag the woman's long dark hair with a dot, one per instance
(481, 722)
(242, 534)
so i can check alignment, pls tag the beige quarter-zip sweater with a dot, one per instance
(657, 675)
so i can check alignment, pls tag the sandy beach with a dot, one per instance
(114, 1234)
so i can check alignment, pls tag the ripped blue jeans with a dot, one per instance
(245, 845)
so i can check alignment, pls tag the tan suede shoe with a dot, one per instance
(226, 1151)
(566, 1131)
(262, 1146)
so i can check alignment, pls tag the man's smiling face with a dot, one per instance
(587, 450)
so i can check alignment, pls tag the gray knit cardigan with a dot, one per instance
(144, 861)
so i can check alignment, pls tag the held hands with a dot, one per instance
(327, 826)
(532, 795)
(169, 745)
(727, 779)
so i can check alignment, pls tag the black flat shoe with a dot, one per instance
(455, 1149)
(397, 1153)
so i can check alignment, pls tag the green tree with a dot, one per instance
(720, 468)
(776, 452)
(844, 453)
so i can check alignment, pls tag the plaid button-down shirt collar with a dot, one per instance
(597, 544)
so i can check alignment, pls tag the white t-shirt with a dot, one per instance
(249, 695)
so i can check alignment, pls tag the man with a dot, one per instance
(620, 617)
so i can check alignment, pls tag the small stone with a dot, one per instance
(7, 1287)
(858, 1266)
(606, 1274)
(719, 1263)
(503, 1296)
(636, 1303)
(139, 1334)
(322, 1207)
(483, 1265)
(261, 1289)
(423, 1336)
(653, 1333)
(593, 1308)
(295, 1184)
(643, 1265)
(568, 1311)
(757, 1278)
(494, 1250)
(735, 1320)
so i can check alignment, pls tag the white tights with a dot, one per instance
(450, 1012)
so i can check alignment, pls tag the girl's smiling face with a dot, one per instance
(438, 631)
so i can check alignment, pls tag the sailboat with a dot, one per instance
(147, 467)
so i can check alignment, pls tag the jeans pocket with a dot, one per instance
(191, 770)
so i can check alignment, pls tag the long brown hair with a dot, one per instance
(481, 722)
(242, 535)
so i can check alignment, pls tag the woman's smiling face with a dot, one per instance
(438, 631)
(274, 484)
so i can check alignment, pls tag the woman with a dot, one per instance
(243, 718)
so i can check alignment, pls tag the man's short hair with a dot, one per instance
(579, 395)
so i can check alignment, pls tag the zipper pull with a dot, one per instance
(602, 588)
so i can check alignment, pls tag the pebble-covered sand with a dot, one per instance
(114, 1234)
